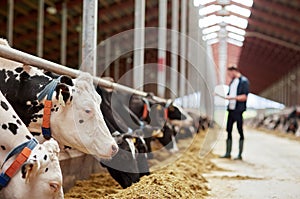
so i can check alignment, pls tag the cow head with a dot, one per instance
(77, 114)
(123, 166)
(40, 176)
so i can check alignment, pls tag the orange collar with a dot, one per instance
(22, 157)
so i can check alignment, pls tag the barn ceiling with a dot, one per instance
(272, 44)
(270, 49)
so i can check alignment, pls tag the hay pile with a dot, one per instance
(179, 176)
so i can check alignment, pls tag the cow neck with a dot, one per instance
(146, 109)
(47, 91)
(23, 150)
(166, 111)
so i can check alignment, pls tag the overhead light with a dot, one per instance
(202, 2)
(235, 42)
(223, 2)
(247, 3)
(238, 10)
(210, 36)
(51, 10)
(236, 21)
(209, 21)
(236, 36)
(209, 9)
(212, 41)
(211, 29)
(236, 30)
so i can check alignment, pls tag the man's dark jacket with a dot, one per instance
(243, 88)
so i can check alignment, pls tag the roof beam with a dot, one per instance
(279, 32)
(275, 19)
(277, 7)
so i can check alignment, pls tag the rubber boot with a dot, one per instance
(228, 149)
(241, 146)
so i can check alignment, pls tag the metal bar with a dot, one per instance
(22, 57)
(117, 61)
(222, 54)
(174, 49)
(89, 36)
(139, 43)
(10, 22)
(107, 57)
(183, 47)
(162, 38)
(40, 32)
(63, 43)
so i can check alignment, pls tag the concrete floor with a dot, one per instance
(270, 169)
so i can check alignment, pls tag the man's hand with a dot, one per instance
(240, 98)
(230, 98)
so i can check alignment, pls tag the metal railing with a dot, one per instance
(22, 57)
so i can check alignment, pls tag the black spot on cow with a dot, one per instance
(24, 75)
(54, 105)
(40, 148)
(4, 105)
(13, 128)
(28, 137)
(45, 157)
(81, 121)
(19, 69)
(56, 109)
(35, 103)
(19, 122)
(67, 147)
(66, 80)
(39, 115)
(34, 120)
(4, 126)
(71, 98)
(35, 133)
(52, 110)
(14, 116)
(3, 147)
(46, 169)
(34, 156)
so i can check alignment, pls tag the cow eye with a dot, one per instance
(88, 111)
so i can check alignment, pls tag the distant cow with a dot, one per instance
(76, 119)
(29, 169)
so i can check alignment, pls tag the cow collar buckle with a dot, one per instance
(47, 91)
(23, 150)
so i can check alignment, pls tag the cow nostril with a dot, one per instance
(114, 149)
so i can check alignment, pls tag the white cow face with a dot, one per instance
(82, 121)
(40, 176)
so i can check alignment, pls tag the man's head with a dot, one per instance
(233, 71)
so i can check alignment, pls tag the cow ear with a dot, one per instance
(66, 80)
(29, 170)
(62, 93)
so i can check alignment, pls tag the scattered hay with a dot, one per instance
(172, 176)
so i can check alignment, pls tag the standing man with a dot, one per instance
(237, 96)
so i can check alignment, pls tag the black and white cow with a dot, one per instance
(40, 175)
(132, 147)
(168, 116)
(76, 119)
